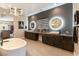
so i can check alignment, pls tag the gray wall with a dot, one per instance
(65, 12)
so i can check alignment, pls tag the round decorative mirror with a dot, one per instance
(32, 25)
(56, 23)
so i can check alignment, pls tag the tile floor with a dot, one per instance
(37, 48)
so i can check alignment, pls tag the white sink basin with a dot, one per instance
(54, 32)
(14, 47)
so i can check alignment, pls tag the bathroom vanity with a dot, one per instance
(55, 26)
(54, 39)
(11, 48)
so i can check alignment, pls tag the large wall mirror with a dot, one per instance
(56, 23)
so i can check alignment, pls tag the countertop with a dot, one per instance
(53, 33)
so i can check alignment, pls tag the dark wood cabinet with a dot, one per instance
(68, 43)
(31, 35)
(63, 42)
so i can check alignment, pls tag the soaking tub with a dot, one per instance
(13, 47)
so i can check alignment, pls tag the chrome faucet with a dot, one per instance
(2, 42)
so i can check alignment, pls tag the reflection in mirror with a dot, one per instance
(56, 23)
(32, 25)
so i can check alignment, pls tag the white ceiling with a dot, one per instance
(30, 8)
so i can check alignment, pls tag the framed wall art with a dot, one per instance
(21, 24)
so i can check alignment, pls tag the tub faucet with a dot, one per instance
(1, 41)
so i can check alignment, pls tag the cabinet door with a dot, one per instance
(53, 40)
(58, 42)
(46, 39)
(32, 36)
(68, 43)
